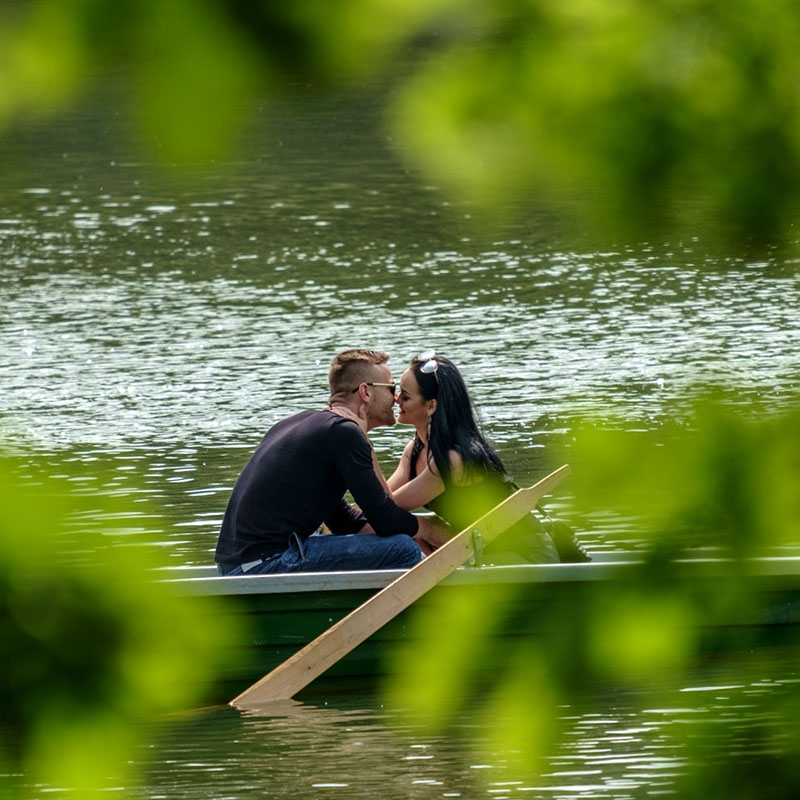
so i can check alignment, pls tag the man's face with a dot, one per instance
(380, 408)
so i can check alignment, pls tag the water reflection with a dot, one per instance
(100, 337)
(357, 747)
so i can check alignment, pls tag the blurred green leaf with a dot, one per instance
(635, 633)
(632, 107)
(93, 645)
(43, 61)
(433, 687)
(196, 74)
(521, 716)
(634, 111)
(725, 480)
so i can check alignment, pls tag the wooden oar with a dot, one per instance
(329, 647)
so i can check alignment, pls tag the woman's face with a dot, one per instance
(414, 408)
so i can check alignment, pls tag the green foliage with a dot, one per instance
(727, 484)
(635, 111)
(193, 66)
(727, 480)
(636, 104)
(92, 646)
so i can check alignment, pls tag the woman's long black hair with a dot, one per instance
(453, 424)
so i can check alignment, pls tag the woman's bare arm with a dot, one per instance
(420, 491)
(379, 473)
(428, 484)
(401, 473)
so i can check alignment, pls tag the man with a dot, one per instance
(297, 477)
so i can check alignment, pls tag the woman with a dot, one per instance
(450, 468)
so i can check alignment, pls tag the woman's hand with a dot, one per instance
(433, 533)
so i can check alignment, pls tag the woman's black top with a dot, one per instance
(459, 505)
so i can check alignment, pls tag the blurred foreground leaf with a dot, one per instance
(641, 115)
(530, 653)
(92, 646)
(725, 479)
(626, 108)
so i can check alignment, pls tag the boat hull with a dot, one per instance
(279, 614)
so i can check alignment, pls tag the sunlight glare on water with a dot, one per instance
(171, 335)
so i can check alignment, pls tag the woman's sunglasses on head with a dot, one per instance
(430, 364)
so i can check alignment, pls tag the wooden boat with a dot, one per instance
(282, 613)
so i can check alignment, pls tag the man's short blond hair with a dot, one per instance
(353, 367)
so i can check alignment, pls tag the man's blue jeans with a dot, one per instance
(328, 553)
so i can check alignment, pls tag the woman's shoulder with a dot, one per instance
(466, 470)
(459, 474)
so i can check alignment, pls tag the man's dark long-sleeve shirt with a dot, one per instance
(296, 479)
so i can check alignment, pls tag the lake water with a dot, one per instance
(158, 323)
(155, 324)
(344, 748)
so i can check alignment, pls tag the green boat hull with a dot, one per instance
(278, 615)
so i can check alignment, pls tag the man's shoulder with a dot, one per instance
(343, 427)
(310, 416)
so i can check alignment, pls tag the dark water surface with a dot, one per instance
(154, 325)
(616, 747)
